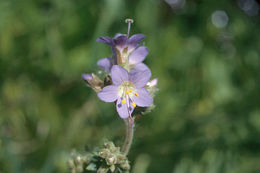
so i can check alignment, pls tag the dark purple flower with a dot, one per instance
(127, 52)
(121, 41)
(127, 90)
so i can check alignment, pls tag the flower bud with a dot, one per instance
(109, 145)
(125, 166)
(151, 86)
(152, 83)
(111, 160)
(102, 170)
(104, 153)
(78, 160)
(121, 158)
(112, 168)
(93, 81)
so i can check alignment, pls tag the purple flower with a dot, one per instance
(127, 52)
(127, 90)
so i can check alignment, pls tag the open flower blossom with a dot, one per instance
(127, 52)
(127, 90)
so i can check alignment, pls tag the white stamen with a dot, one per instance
(127, 91)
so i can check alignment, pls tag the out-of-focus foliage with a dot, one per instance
(206, 54)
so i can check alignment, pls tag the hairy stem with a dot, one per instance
(129, 122)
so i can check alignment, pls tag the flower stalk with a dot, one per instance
(128, 86)
(129, 122)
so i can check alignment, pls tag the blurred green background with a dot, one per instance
(206, 54)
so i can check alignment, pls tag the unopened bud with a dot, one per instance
(109, 145)
(121, 158)
(93, 81)
(102, 170)
(87, 77)
(104, 153)
(112, 168)
(151, 86)
(78, 160)
(125, 166)
(111, 160)
(152, 83)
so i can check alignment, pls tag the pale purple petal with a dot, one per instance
(144, 99)
(122, 108)
(133, 41)
(106, 40)
(139, 67)
(140, 78)
(119, 74)
(105, 63)
(136, 38)
(109, 93)
(138, 55)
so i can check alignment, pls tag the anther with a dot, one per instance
(136, 94)
(134, 105)
(127, 92)
(130, 90)
(129, 21)
(123, 101)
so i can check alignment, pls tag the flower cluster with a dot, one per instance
(129, 86)
(104, 160)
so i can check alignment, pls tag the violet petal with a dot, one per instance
(138, 55)
(139, 67)
(105, 40)
(105, 63)
(109, 93)
(133, 41)
(144, 99)
(119, 74)
(140, 78)
(136, 38)
(122, 108)
(118, 35)
(120, 42)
